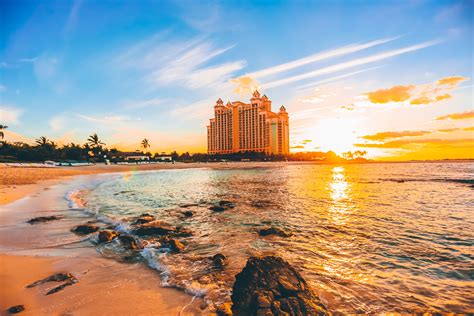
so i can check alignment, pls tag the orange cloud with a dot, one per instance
(417, 94)
(443, 97)
(408, 142)
(457, 116)
(469, 128)
(297, 147)
(245, 85)
(389, 135)
(448, 130)
(394, 94)
(451, 81)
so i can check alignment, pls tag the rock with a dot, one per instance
(271, 286)
(85, 229)
(176, 245)
(16, 309)
(182, 232)
(131, 242)
(224, 309)
(219, 260)
(188, 214)
(217, 208)
(67, 278)
(144, 218)
(43, 219)
(274, 231)
(154, 228)
(226, 204)
(107, 235)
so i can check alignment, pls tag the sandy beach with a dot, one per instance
(117, 288)
(28, 254)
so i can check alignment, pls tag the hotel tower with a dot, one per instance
(240, 127)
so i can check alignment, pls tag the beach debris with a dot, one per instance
(16, 309)
(226, 204)
(130, 242)
(43, 219)
(107, 235)
(274, 231)
(189, 205)
(219, 260)
(224, 309)
(144, 218)
(67, 278)
(182, 232)
(176, 245)
(271, 286)
(85, 229)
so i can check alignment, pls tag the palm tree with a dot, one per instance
(94, 141)
(145, 144)
(42, 141)
(2, 127)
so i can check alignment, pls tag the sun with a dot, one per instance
(338, 134)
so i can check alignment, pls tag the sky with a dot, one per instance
(393, 78)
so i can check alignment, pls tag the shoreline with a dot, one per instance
(29, 253)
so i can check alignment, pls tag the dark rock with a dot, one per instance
(144, 218)
(67, 278)
(182, 232)
(224, 309)
(107, 235)
(188, 214)
(131, 242)
(176, 245)
(274, 231)
(16, 309)
(43, 219)
(219, 260)
(189, 205)
(271, 286)
(216, 208)
(226, 204)
(154, 228)
(85, 229)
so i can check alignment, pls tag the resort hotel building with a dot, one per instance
(242, 127)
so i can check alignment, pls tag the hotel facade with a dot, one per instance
(242, 127)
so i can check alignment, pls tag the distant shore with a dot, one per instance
(17, 182)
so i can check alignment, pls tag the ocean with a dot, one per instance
(369, 238)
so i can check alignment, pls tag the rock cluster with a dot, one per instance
(271, 286)
(274, 231)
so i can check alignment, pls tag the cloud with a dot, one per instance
(394, 94)
(457, 116)
(349, 49)
(448, 130)
(2, 88)
(469, 128)
(297, 147)
(409, 142)
(416, 94)
(186, 66)
(451, 81)
(390, 135)
(143, 103)
(245, 85)
(348, 64)
(9, 114)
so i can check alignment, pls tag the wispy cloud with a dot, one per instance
(345, 50)
(457, 116)
(140, 104)
(410, 142)
(349, 64)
